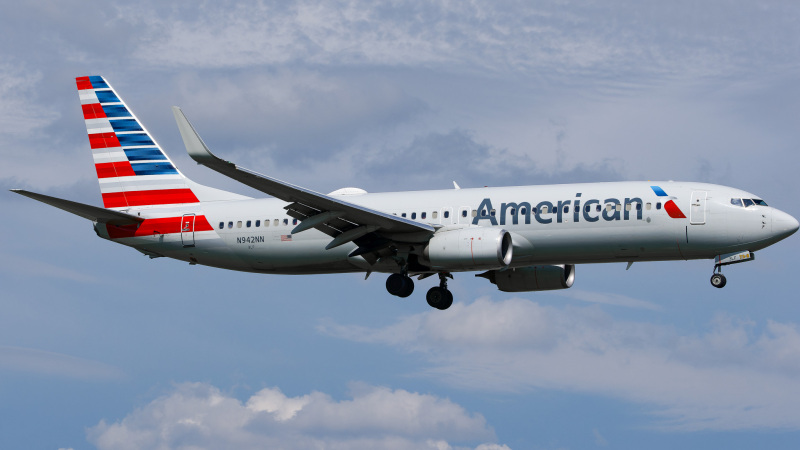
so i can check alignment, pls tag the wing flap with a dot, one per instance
(90, 212)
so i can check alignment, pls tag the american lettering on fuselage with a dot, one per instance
(592, 211)
(524, 238)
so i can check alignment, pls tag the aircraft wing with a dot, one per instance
(339, 219)
(90, 212)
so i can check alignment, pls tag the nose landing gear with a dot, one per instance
(718, 280)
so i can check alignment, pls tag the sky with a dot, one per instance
(101, 347)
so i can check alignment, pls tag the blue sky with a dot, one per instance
(101, 347)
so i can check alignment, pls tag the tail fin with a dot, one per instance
(132, 169)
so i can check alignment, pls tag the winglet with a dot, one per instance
(455, 185)
(195, 146)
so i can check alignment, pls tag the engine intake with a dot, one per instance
(473, 248)
(533, 278)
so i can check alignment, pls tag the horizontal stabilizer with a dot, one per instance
(90, 212)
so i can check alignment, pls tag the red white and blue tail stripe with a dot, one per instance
(132, 169)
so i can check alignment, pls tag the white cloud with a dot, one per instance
(730, 377)
(198, 415)
(608, 299)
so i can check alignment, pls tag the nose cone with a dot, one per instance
(783, 225)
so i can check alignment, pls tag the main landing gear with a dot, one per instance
(400, 285)
(440, 297)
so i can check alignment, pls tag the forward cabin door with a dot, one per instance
(697, 211)
(187, 230)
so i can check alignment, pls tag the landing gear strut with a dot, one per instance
(440, 297)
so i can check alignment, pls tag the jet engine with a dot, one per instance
(533, 278)
(473, 248)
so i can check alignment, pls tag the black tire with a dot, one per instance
(408, 287)
(439, 298)
(448, 300)
(718, 280)
(395, 284)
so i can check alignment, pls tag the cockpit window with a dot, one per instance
(759, 202)
(736, 202)
(748, 202)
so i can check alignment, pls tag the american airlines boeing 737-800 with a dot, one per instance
(525, 238)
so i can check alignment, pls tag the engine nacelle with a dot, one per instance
(533, 278)
(474, 248)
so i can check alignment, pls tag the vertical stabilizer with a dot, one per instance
(132, 169)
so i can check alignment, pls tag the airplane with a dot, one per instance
(521, 238)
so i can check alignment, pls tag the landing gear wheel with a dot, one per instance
(399, 285)
(718, 280)
(439, 298)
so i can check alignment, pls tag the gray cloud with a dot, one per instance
(57, 365)
(728, 378)
(549, 39)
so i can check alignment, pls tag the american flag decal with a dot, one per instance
(286, 237)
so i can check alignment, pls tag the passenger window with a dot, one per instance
(599, 208)
(648, 206)
(294, 222)
(544, 209)
(435, 215)
(474, 213)
(493, 213)
(464, 213)
(586, 208)
(249, 223)
(522, 211)
(658, 205)
(628, 207)
(608, 207)
(483, 213)
(276, 222)
(403, 215)
(619, 207)
(266, 222)
(221, 225)
(513, 211)
(638, 206)
(423, 215)
(230, 224)
(566, 209)
(285, 222)
(736, 202)
(533, 210)
(748, 202)
(413, 215)
(239, 224)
